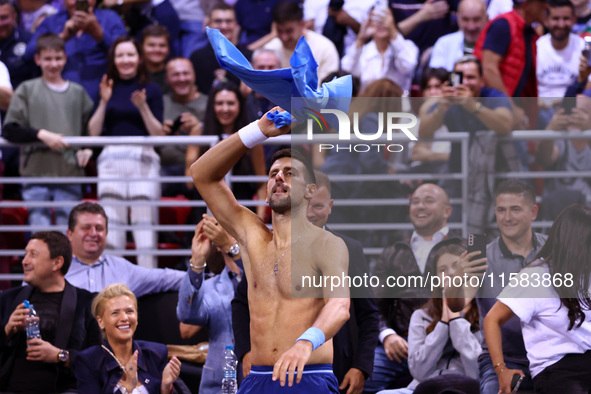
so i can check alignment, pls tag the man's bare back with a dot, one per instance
(278, 316)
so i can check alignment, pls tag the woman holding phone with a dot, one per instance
(442, 342)
(552, 300)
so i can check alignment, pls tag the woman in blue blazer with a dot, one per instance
(122, 365)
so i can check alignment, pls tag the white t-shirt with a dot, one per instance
(544, 322)
(318, 11)
(324, 51)
(556, 70)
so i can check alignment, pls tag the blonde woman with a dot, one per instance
(121, 365)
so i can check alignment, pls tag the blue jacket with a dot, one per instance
(210, 305)
(98, 372)
(87, 59)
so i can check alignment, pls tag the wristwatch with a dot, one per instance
(63, 356)
(234, 250)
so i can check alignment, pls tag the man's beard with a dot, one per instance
(281, 205)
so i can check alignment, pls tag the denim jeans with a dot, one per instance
(489, 382)
(42, 216)
(385, 372)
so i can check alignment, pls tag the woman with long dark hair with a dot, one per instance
(551, 298)
(129, 106)
(226, 114)
(442, 342)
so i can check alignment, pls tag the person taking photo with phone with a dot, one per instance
(554, 313)
(443, 346)
(515, 210)
(88, 33)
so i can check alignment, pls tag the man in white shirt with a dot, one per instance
(289, 20)
(450, 47)
(429, 210)
(558, 52)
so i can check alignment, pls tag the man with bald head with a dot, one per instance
(450, 47)
(429, 210)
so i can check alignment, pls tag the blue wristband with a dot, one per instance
(314, 335)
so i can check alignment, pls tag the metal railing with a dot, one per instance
(462, 138)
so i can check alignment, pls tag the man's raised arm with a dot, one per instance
(209, 170)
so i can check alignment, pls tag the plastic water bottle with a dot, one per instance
(229, 383)
(32, 322)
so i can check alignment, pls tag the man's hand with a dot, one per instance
(579, 119)
(296, 357)
(584, 69)
(396, 348)
(170, 375)
(246, 364)
(83, 156)
(138, 98)
(189, 122)
(200, 247)
(355, 379)
(70, 29)
(16, 321)
(86, 22)
(53, 140)
(268, 127)
(559, 121)
(216, 233)
(465, 98)
(433, 9)
(40, 350)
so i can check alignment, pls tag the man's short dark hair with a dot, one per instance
(221, 6)
(58, 245)
(296, 154)
(470, 59)
(288, 11)
(86, 207)
(322, 180)
(560, 3)
(156, 31)
(50, 41)
(516, 186)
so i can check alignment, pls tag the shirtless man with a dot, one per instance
(287, 331)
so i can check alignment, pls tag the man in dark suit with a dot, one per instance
(65, 320)
(355, 342)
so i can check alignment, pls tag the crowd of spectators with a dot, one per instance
(145, 68)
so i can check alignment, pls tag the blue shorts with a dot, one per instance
(316, 378)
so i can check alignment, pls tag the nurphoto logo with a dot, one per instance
(395, 122)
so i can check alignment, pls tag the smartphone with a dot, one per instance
(568, 103)
(587, 50)
(456, 78)
(176, 125)
(82, 5)
(477, 242)
(516, 382)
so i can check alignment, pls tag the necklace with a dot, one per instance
(115, 357)
(276, 268)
